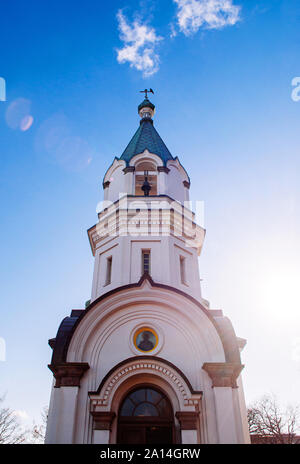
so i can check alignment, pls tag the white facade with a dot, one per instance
(147, 329)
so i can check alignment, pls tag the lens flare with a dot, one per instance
(55, 138)
(18, 115)
(26, 123)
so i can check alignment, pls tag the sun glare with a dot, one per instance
(279, 292)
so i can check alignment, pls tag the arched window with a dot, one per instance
(142, 169)
(146, 402)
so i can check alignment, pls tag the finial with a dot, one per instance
(146, 92)
(146, 108)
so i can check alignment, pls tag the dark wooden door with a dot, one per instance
(130, 434)
(149, 434)
(158, 435)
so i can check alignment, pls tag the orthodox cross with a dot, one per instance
(146, 92)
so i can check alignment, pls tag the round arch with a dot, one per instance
(145, 416)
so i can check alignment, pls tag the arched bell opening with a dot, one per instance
(145, 169)
(145, 416)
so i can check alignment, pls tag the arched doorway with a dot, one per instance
(145, 417)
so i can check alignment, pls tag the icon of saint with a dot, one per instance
(146, 344)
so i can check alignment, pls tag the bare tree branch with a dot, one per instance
(10, 429)
(38, 432)
(267, 420)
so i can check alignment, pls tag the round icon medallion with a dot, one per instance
(145, 339)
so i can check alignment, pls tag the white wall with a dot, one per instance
(126, 253)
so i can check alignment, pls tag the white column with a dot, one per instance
(189, 424)
(102, 424)
(53, 416)
(101, 437)
(189, 437)
(225, 415)
(224, 377)
(67, 414)
(61, 418)
(94, 293)
(162, 183)
(129, 181)
(186, 194)
(241, 411)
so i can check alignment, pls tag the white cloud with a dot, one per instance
(21, 414)
(140, 41)
(210, 14)
(173, 32)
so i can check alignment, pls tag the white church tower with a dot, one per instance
(147, 361)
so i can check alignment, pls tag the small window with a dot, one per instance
(182, 270)
(146, 261)
(108, 270)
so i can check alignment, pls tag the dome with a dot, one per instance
(146, 104)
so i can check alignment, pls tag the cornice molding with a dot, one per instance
(102, 420)
(106, 184)
(68, 374)
(129, 169)
(187, 419)
(223, 374)
(163, 169)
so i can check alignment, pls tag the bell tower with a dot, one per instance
(147, 361)
(146, 213)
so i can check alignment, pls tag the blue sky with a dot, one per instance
(222, 81)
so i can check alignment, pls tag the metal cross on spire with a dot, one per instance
(146, 92)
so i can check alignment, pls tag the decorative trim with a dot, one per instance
(152, 364)
(163, 169)
(106, 184)
(223, 374)
(186, 184)
(103, 419)
(129, 169)
(187, 419)
(68, 374)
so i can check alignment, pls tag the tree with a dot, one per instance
(271, 424)
(39, 431)
(11, 431)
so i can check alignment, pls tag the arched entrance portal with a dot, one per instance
(145, 417)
